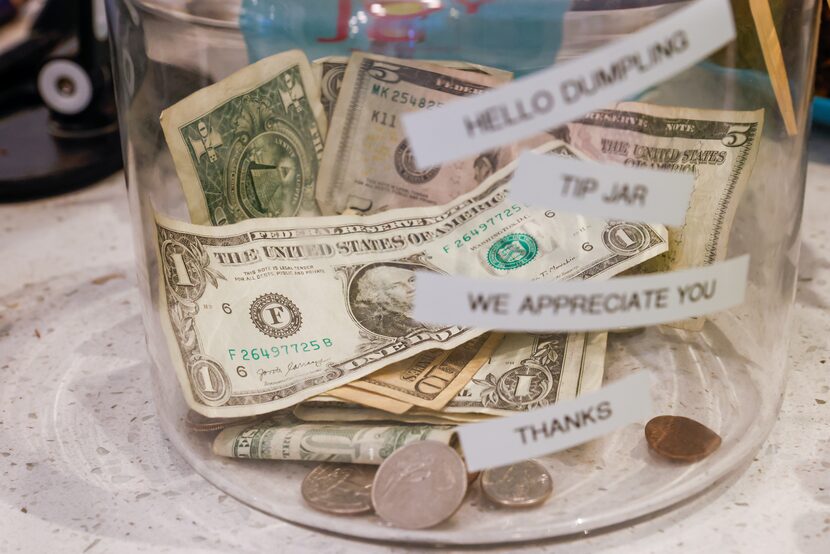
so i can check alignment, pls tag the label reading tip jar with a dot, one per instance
(581, 305)
(569, 90)
(606, 191)
(547, 430)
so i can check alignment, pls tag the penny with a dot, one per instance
(420, 485)
(517, 486)
(681, 439)
(200, 424)
(342, 489)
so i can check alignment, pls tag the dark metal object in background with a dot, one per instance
(58, 123)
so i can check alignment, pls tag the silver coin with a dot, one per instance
(343, 489)
(420, 485)
(517, 486)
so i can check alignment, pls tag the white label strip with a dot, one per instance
(511, 305)
(512, 439)
(602, 190)
(571, 89)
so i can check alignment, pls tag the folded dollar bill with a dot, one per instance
(530, 371)
(251, 144)
(718, 147)
(329, 72)
(431, 379)
(327, 409)
(265, 313)
(367, 165)
(525, 371)
(286, 438)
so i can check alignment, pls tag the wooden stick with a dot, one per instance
(774, 59)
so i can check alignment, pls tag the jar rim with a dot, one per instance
(171, 11)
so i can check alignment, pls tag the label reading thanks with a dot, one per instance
(510, 305)
(561, 426)
(569, 90)
(602, 190)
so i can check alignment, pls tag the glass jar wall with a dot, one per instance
(229, 154)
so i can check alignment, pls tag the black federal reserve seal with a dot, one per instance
(276, 316)
(406, 168)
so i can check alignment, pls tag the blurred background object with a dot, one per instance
(821, 105)
(58, 124)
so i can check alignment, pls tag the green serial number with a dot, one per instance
(484, 226)
(248, 354)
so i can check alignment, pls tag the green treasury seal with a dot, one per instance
(512, 251)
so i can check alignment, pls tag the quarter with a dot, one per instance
(420, 485)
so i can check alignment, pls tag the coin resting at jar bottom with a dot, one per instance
(517, 486)
(681, 439)
(420, 485)
(343, 489)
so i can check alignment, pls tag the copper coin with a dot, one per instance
(681, 439)
(517, 486)
(343, 489)
(420, 485)
(200, 424)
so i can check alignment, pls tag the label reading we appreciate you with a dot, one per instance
(511, 305)
(605, 191)
(569, 90)
(566, 424)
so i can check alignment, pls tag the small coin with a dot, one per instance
(343, 489)
(198, 423)
(681, 439)
(517, 486)
(420, 485)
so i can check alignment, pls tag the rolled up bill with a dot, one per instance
(285, 438)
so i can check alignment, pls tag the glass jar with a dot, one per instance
(727, 370)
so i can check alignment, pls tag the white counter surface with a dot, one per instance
(84, 466)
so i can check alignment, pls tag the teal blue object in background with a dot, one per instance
(821, 110)
(516, 35)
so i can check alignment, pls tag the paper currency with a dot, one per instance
(367, 399)
(367, 165)
(250, 145)
(525, 371)
(718, 147)
(285, 438)
(531, 371)
(329, 72)
(432, 378)
(268, 312)
(325, 409)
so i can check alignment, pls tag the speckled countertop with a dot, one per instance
(84, 466)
